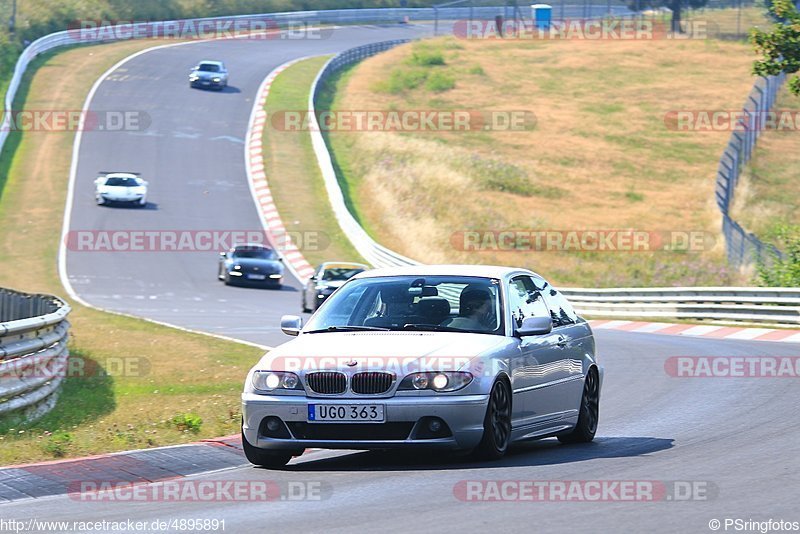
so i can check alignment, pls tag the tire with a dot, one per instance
(303, 305)
(227, 279)
(100, 201)
(496, 424)
(589, 415)
(263, 458)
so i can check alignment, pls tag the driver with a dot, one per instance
(476, 310)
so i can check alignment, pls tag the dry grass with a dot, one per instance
(179, 372)
(294, 177)
(600, 155)
(769, 192)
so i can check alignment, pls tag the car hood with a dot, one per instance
(270, 266)
(121, 191)
(400, 352)
(207, 75)
(331, 283)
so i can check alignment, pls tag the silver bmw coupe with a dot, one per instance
(454, 357)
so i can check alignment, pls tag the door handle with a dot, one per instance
(562, 342)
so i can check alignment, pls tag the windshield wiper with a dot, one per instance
(347, 329)
(432, 328)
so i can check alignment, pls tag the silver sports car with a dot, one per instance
(454, 357)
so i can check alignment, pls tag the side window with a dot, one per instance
(525, 300)
(561, 311)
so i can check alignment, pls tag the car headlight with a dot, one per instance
(272, 380)
(194, 77)
(217, 79)
(441, 381)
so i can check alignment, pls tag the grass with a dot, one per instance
(767, 195)
(294, 177)
(600, 155)
(168, 372)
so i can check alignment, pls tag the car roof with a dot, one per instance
(210, 62)
(343, 265)
(481, 271)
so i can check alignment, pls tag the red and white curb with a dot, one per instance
(259, 186)
(709, 331)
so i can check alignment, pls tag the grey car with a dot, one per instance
(450, 357)
(209, 74)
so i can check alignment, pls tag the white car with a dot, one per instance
(122, 188)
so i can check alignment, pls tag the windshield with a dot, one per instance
(255, 253)
(208, 67)
(433, 303)
(122, 182)
(340, 273)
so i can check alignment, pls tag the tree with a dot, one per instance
(676, 6)
(780, 45)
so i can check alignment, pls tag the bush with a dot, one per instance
(438, 82)
(58, 443)
(782, 272)
(427, 57)
(187, 422)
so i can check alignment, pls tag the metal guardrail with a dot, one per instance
(742, 246)
(762, 306)
(34, 332)
(743, 305)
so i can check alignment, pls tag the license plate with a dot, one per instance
(345, 413)
(256, 276)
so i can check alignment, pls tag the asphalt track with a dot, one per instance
(734, 437)
(192, 154)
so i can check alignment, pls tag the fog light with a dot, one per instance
(434, 425)
(440, 381)
(273, 424)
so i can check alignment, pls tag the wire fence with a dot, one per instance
(742, 246)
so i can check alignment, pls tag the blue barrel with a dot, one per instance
(542, 15)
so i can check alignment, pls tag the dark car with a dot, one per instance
(251, 265)
(326, 279)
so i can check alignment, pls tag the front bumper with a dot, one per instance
(108, 199)
(245, 281)
(207, 83)
(405, 426)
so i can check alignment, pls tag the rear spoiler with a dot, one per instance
(104, 173)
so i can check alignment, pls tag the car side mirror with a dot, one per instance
(98, 180)
(144, 183)
(193, 69)
(534, 326)
(223, 254)
(291, 325)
